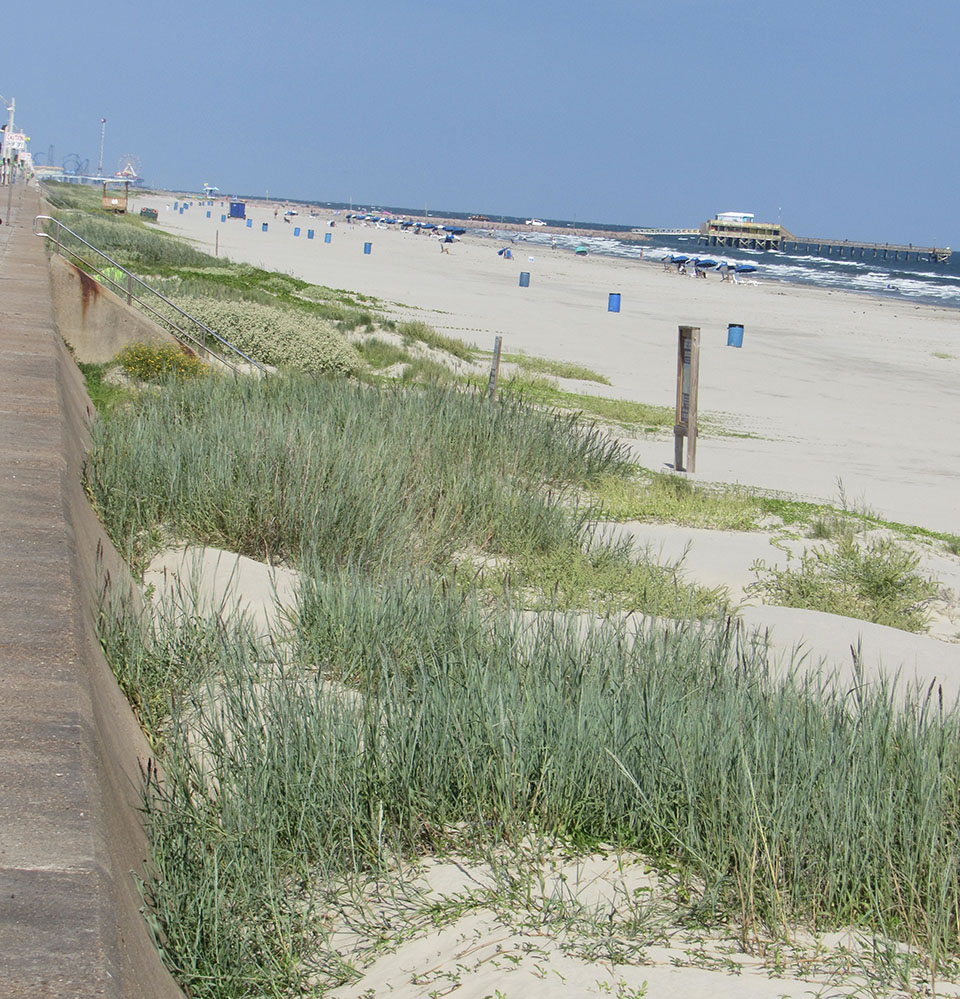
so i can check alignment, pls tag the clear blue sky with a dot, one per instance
(840, 113)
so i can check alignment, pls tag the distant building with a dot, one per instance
(735, 216)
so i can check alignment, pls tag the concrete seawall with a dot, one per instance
(70, 749)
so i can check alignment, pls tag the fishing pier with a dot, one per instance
(743, 233)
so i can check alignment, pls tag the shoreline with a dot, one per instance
(830, 386)
(508, 230)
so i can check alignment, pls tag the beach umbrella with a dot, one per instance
(704, 263)
(745, 268)
(678, 258)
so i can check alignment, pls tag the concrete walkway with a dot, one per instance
(70, 750)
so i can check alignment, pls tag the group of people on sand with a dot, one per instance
(727, 272)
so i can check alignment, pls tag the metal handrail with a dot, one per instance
(128, 291)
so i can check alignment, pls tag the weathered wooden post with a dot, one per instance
(688, 375)
(494, 369)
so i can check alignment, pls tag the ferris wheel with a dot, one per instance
(128, 167)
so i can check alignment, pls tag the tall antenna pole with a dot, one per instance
(6, 164)
(103, 122)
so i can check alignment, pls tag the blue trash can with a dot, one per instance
(309, 234)
(367, 247)
(208, 215)
(613, 302)
(524, 279)
(734, 335)
(223, 218)
(296, 230)
(249, 223)
(326, 239)
(263, 227)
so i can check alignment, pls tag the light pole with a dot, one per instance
(103, 122)
(6, 151)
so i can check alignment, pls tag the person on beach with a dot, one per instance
(445, 243)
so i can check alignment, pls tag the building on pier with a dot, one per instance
(739, 230)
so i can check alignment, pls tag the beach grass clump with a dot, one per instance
(131, 243)
(768, 800)
(666, 497)
(153, 362)
(426, 371)
(604, 579)
(421, 332)
(277, 336)
(531, 365)
(873, 579)
(386, 477)
(379, 353)
(544, 391)
(73, 196)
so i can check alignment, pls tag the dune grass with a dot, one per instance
(290, 469)
(667, 497)
(416, 702)
(772, 801)
(532, 365)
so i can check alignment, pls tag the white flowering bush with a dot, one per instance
(277, 336)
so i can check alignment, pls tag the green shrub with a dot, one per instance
(276, 335)
(875, 581)
(150, 362)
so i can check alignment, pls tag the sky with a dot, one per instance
(837, 117)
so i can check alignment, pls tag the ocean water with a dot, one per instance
(917, 281)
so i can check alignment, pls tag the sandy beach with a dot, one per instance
(828, 386)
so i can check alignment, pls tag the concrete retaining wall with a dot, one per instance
(92, 319)
(71, 751)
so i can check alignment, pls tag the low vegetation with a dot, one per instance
(766, 801)
(874, 579)
(152, 362)
(460, 671)
(277, 336)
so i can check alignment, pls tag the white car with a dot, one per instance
(534, 222)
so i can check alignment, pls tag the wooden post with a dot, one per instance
(216, 250)
(688, 376)
(494, 369)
